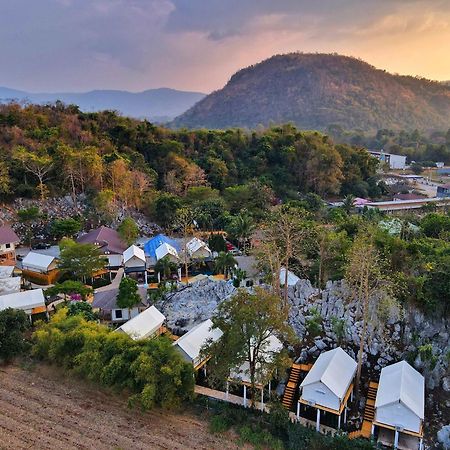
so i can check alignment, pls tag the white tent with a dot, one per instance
(37, 262)
(272, 347)
(6, 271)
(134, 256)
(400, 397)
(327, 383)
(190, 344)
(166, 249)
(292, 278)
(9, 285)
(196, 248)
(26, 300)
(144, 325)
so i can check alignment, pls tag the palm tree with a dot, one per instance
(224, 263)
(165, 267)
(243, 228)
(348, 203)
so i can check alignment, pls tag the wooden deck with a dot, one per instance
(292, 384)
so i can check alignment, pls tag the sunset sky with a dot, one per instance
(77, 45)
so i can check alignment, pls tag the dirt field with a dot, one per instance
(41, 409)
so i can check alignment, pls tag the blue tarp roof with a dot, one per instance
(151, 246)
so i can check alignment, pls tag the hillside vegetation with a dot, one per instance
(314, 91)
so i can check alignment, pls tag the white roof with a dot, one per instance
(133, 251)
(272, 347)
(335, 369)
(25, 300)
(196, 244)
(292, 278)
(402, 383)
(144, 324)
(9, 285)
(193, 341)
(37, 261)
(164, 250)
(6, 271)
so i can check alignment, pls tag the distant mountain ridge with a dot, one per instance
(158, 105)
(314, 91)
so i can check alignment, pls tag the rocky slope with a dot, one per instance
(316, 90)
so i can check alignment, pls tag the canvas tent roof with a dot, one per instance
(37, 261)
(106, 238)
(8, 235)
(164, 250)
(6, 271)
(9, 285)
(292, 278)
(192, 342)
(144, 324)
(151, 246)
(25, 300)
(196, 244)
(335, 369)
(133, 251)
(402, 383)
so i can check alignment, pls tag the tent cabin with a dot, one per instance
(105, 301)
(191, 343)
(31, 302)
(8, 283)
(197, 249)
(399, 407)
(328, 385)
(8, 242)
(166, 250)
(292, 279)
(40, 268)
(147, 324)
(134, 262)
(249, 265)
(109, 242)
(271, 348)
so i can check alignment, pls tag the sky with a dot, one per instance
(79, 45)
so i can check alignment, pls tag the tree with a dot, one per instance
(128, 230)
(166, 206)
(249, 322)
(13, 324)
(28, 216)
(417, 168)
(81, 308)
(65, 227)
(241, 228)
(128, 296)
(184, 221)
(104, 204)
(370, 285)
(224, 263)
(217, 243)
(69, 287)
(81, 260)
(165, 267)
(38, 163)
(5, 179)
(348, 203)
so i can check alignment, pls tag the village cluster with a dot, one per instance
(317, 394)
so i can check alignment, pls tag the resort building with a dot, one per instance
(8, 242)
(134, 263)
(31, 302)
(39, 268)
(147, 324)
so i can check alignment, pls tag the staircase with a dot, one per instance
(369, 414)
(292, 384)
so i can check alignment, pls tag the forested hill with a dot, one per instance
(157, 105)
(317, 90)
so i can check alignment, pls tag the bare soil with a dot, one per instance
(41, 408)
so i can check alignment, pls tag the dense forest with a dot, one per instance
(57, 149)
(314, 91)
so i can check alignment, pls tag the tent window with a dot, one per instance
(118, 314)
(320, 391)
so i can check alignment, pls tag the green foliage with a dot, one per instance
(165, 267)
(128, 230)
(30, 214)
(151, 370)
(128, 296)
(166, 206)
(224, 263)
(217, 243)
(13, 324)
(313, 323)
(338, 327)
(69, 287)
(83, 309)
(435, 224)
(65, 228)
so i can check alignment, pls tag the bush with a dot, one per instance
(13, 325)
(151, 369)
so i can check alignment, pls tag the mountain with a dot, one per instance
(317, 90)
(158, 105)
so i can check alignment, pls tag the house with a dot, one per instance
(197, 249)
(147, 324)
(109, 242)
(404, 205)
(106, 302)
(394, 161)
(31, 302)
(156, 242)
(399, 407)
(443, 191)
(191, 343)
(328, 385)
(166, 250)
(134, 262)
(8, 242)
(249, 265)
(408, 196)
(40, 268)
(8, 283)
(292, 279)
